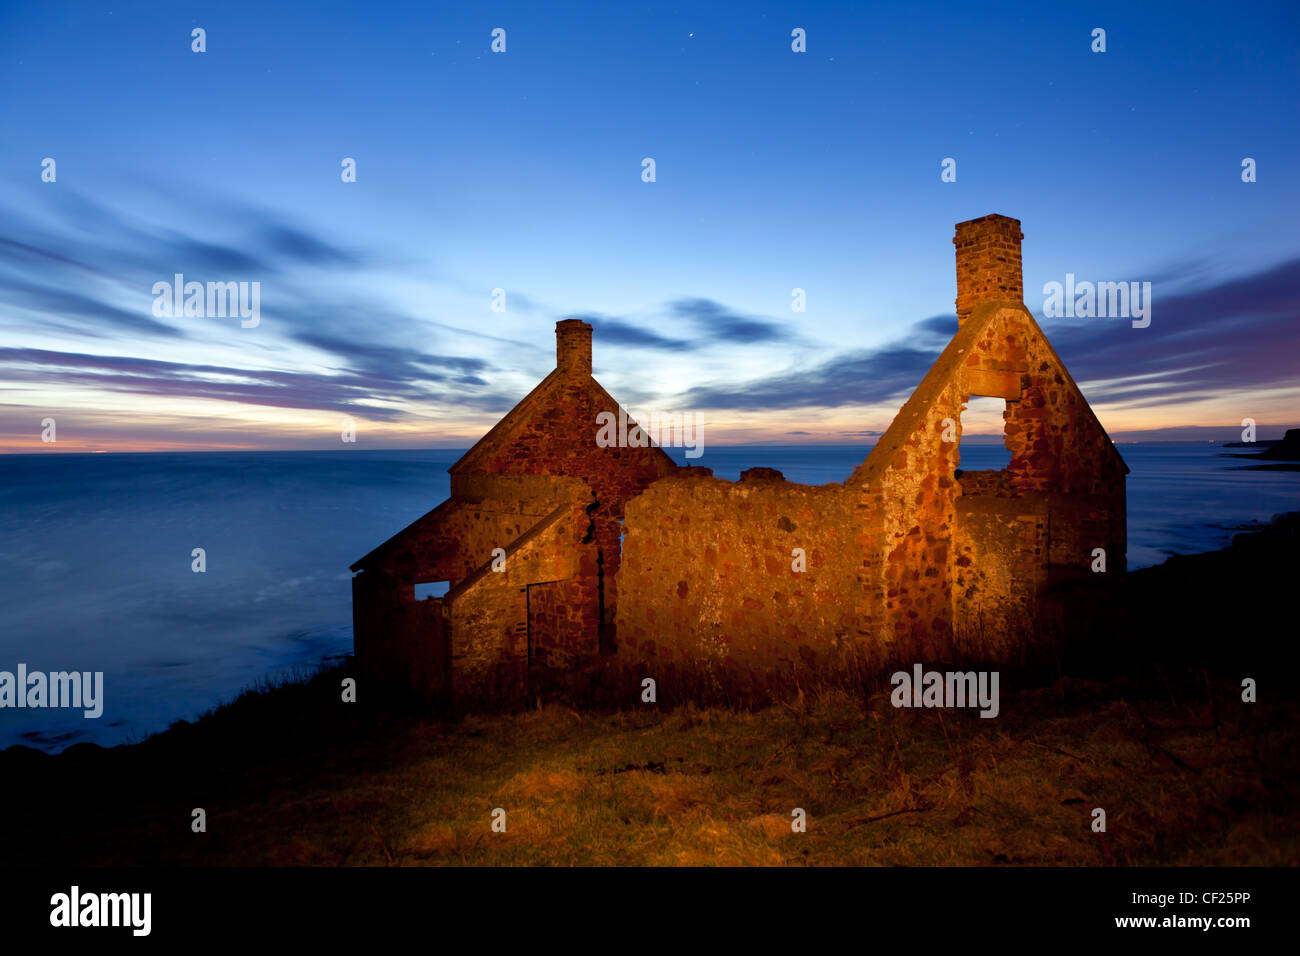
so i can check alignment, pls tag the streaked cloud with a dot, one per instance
(1239, 334)
(381, 378)
(717, 323)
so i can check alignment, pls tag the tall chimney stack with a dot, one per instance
(988, 263)
(573, 347)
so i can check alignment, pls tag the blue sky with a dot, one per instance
(522, 171)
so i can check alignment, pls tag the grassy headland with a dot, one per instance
(1144, 720)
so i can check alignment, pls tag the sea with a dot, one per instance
(97, 555)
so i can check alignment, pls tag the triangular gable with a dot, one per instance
(951, 367)
(501, 434)
(654, 450)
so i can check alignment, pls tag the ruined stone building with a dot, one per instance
(613, 564)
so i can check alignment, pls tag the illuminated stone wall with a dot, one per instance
(760, 585)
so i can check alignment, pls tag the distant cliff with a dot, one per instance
(1288, 449)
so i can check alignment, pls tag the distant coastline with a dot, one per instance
(1281, 455)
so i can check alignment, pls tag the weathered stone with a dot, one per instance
(617, 561)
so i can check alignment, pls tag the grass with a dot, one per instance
(1156, 734)
(1195, 779)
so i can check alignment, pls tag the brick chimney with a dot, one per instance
(988, 263)
(573, 347)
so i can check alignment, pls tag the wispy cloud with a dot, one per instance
(350, 391)
(860, 377)
(86, 272)
(622, 332)
(720, 324)
(97, 316)
(704, 324)
(1238, 334)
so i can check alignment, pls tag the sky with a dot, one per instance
(523, 171)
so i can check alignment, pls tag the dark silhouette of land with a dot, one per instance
(1282, 455)
(1141, 715)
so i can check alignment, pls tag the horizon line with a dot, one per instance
(990, 439)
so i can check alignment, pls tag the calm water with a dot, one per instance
(95, 557)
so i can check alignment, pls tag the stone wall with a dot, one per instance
(709, 589)
(910, 500)
(400, 645)
(492, 647)
(906, 561)
(1059, 448)
(458, 537)
(999, 549)
(914, 562)
(553, 433)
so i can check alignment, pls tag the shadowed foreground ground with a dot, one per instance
(1156, 734)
